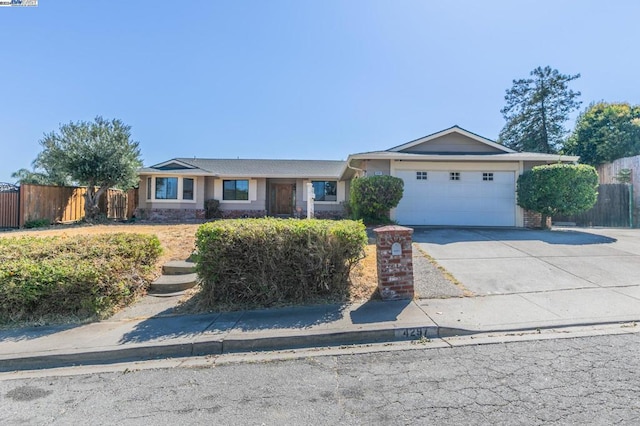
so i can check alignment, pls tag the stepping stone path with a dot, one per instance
(177, 276)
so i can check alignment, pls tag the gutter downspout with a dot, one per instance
(362, 172)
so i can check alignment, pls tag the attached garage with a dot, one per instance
(455, 177)
(462, 198)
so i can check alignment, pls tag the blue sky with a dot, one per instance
(298, 78)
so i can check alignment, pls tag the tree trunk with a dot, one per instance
(91, 206)
(545, 132)
(543, 221)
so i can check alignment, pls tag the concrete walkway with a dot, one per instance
(165, 336)
(568, 278)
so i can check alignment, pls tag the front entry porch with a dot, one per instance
(282, 197)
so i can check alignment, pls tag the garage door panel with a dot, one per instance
(469, 201)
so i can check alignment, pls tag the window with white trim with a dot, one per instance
(235, 190)
(325, 190)
(166, 188)
(187, 189)
(171, 188)
(454, 175)
(421, 175)
(487, 176)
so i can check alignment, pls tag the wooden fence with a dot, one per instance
(9, 207)
(60, 204)
(608, 173)
(611, 209)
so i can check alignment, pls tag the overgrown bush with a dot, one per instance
(262, 262)
(81, 276)
(563, 189)
(373, 196)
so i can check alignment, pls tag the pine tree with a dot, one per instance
(536, 111)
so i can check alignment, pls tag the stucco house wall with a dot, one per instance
(208, 185)
(452, 177)
(451, 143)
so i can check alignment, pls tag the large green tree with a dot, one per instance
(536, 110)
(98, 154)
(564, 189)
(605, 132)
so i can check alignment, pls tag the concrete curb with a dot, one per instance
(281, 340)
(215, 345)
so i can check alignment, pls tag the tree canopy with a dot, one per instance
(536, 111)
(564, 189)
(605, 132)
(98, 154)
(25, 176)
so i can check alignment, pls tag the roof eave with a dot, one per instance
(179, 172)
(385, 155)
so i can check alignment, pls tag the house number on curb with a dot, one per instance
(396, 249)
(411, 333)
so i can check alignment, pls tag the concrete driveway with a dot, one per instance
(512, 261)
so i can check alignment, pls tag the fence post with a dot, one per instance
(630, 205)
(19, 205)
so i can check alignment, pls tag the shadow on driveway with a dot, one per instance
(443, 236)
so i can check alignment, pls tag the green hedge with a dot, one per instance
(373, 196)
(564, 189)
(262, 262)
(82, 276)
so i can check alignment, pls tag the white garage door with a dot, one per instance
(457, 198)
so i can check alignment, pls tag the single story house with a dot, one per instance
(177, 189)
(452, 177)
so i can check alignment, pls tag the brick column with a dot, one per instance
(395, 262)
(534, 220)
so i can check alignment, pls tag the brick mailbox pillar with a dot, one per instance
(395, 262)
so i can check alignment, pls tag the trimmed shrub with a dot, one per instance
(372, 197)
(82, 276)
(563, 189)
(263, 262)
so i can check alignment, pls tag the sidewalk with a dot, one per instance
(149, 330)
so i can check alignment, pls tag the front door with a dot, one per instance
(283, 199)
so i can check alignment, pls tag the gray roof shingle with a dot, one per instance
(258, 168)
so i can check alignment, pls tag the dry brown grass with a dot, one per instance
(364, 276)
(178, 242)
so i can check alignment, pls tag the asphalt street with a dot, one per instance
(582, 380)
